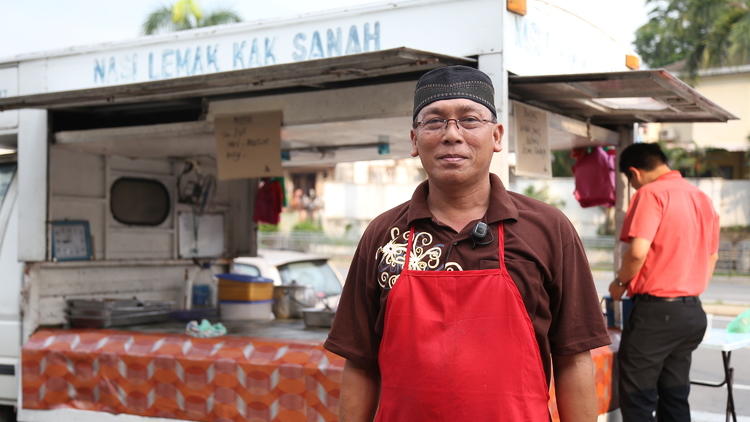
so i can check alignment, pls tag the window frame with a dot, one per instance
(167, 195)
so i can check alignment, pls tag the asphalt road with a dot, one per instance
(707, 366)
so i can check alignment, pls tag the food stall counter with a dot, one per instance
(228, 378)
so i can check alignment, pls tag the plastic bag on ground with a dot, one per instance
(205, 329)
(741, 324)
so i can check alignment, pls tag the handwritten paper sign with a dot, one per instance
(248, 145)
(532, 142)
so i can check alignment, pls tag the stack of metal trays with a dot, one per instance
(102, 313)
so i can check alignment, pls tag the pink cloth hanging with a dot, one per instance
(594, 177)
(268, 202)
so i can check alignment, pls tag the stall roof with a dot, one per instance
(600, 98)
(618, 97)
(315, 74)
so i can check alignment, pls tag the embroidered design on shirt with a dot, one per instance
(424, 256)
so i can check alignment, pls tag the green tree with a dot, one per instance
(701, 33)
(562, 163)
(185, 14)
(692, 162)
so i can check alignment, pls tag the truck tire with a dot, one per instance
(7, 414)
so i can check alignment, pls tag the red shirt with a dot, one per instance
(683, 228)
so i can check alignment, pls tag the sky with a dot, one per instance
(28, 26)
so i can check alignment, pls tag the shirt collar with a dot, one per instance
(501, 205)
(673, 174)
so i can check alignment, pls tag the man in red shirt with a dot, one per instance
(673, 233)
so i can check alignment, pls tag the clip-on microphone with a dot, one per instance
(479, 233)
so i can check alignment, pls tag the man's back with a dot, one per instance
(682, 225)
(673, 232)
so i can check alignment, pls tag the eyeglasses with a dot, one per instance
(467, 123)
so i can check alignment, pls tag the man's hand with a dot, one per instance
(633, 259)
(616, 290)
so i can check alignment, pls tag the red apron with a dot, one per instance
(459, 346)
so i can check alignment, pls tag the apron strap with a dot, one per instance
(501, 243)
(409, 244)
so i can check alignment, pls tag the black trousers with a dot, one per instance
(654, 357)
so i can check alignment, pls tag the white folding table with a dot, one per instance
(720, 339)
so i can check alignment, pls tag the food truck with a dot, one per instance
(137, 166)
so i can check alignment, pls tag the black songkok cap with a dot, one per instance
(445, 83)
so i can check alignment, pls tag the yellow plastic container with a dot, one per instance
(238, 287)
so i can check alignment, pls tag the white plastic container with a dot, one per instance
(246, 310)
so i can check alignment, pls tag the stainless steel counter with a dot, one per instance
(289, 329)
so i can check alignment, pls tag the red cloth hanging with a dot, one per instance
(268, 203)
(594, 177)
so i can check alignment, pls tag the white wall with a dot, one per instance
(363, 202)
(731, 198)
(349, 201)
(585, 220)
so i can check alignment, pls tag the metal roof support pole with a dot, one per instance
(622, 190)
(32, 177)
(493, 65)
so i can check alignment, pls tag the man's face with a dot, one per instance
(455, 154)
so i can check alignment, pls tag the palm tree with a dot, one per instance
(185, 14)
(729, 41)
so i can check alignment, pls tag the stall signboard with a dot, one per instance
(552, 40)
(8, 88)
(532, 142)
(248, 145)
(417, 24)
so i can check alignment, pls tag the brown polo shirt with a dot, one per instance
(543, 254)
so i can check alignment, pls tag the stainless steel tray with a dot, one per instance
(112, 313)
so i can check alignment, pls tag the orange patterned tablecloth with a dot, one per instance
(604, 359)
(221, 379)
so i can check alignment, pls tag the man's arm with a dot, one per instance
(632, 261)
(575, 389)
(712, 259)
(360, 390)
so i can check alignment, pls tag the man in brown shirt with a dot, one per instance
(456, 228)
